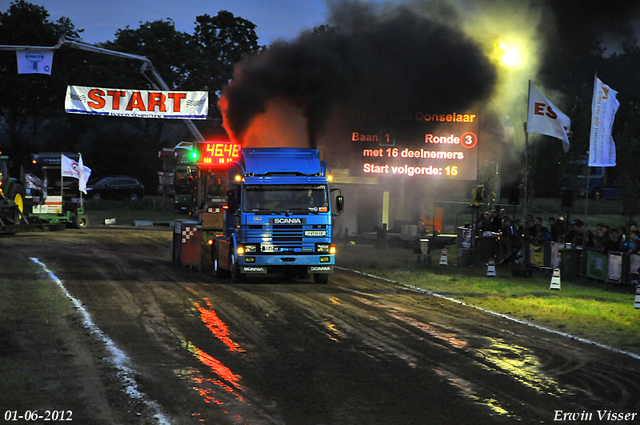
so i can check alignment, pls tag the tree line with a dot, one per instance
(32, 117)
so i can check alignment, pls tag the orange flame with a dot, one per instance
(283, 124)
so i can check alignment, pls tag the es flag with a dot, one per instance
(602, 150)
(34, 61)
(544, 118)
(137, 103)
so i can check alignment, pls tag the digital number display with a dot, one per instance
(421, 145)
(217, 153)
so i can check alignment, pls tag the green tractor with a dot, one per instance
(12, 196)
(41, 200)
(50, 197)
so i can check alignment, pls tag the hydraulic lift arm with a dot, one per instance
(157, 82)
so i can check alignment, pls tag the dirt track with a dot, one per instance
(166, 344)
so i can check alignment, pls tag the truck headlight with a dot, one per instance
(250, 249)
(323, 247)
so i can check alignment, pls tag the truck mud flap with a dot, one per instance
(320, 269)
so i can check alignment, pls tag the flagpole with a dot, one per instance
(526, 156)
(61, 185)
(526, 170)
(81, 176)
(586, 189)
(586, 198)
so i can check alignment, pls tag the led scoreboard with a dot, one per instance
(217, 153)
(418, 145)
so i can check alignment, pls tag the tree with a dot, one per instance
(31, 115)
(29, 100)
(170, 51)
(221, 42)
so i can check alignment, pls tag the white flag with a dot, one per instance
(545, 118)
(84, 173)
(34, 61)
(602, 150)
(75, 169)
(69, 167)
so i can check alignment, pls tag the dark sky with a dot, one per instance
(101, 19)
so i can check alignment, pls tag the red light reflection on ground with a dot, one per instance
(217, 367)
(217, 326)
(208, 387)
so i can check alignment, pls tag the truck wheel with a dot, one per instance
(80, 221)
(234, 268)
(321, 278)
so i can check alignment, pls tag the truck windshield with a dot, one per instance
(302, 198)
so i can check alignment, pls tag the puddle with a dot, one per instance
(217, 327)
(521, 364)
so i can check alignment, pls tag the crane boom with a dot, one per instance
(157, 82)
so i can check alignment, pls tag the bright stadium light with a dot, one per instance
(511, 56)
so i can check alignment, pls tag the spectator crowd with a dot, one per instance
(516, 236)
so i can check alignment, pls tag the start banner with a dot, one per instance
(137, 103)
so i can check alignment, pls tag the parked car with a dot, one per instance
(116, 187)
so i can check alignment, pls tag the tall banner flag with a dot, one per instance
(602, 150)
(34, 61)
(83, 176)
(137, 103)
(544, 118)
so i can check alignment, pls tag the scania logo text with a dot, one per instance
(287, 221)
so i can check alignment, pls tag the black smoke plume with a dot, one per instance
(375, 60)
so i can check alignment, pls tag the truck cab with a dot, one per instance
(279, 216)
(592, 182)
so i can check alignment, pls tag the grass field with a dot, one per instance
(125, 212)
(583, 308)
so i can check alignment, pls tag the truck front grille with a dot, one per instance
(289, 237)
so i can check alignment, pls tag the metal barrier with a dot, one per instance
(612, 267)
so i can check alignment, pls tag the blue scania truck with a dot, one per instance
(279, 216)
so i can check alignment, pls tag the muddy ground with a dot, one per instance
(99, 326)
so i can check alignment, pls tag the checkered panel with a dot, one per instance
(187, 232)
